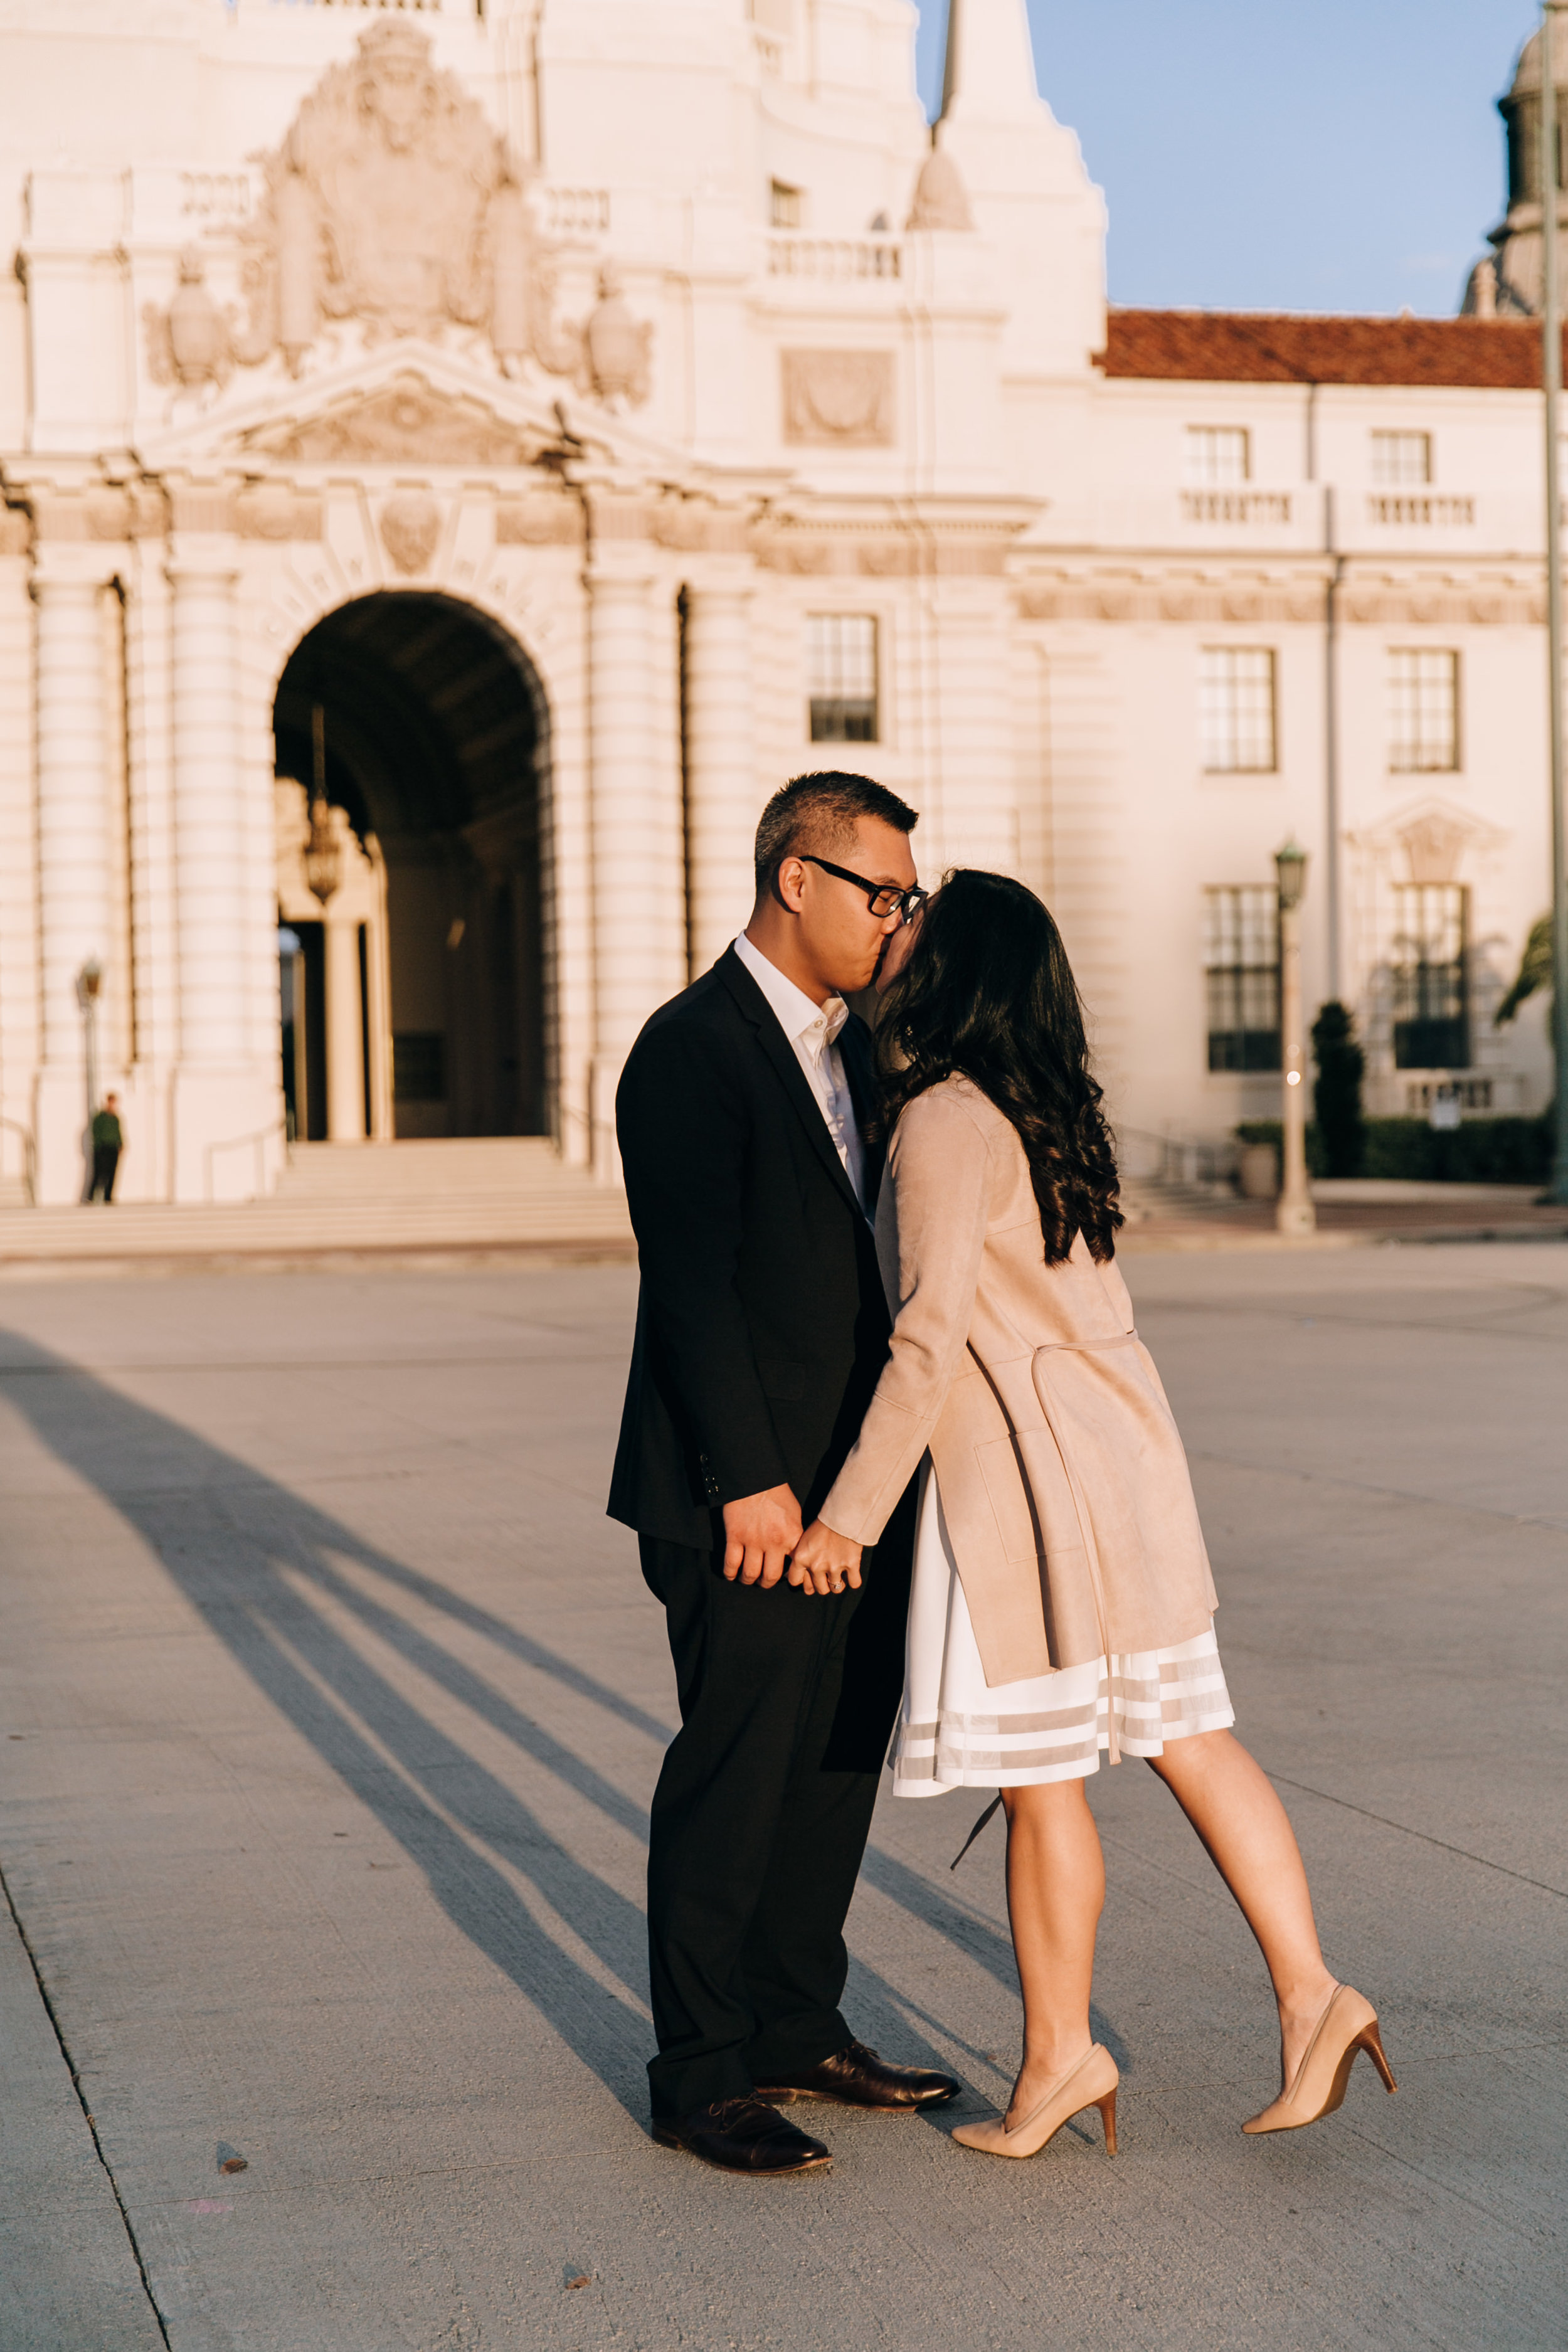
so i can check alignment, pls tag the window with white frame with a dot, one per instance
(1241, 972)
(1423, 710)
(1400, 460)
(841, 677)
(1217, 456)
(1431, 977)
(1236, 710)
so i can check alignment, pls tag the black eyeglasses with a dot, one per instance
(884, 899)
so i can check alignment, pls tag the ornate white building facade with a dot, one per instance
(459, 457)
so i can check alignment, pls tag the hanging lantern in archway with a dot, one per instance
(323, 857)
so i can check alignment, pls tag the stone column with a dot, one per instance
(345, 1034)
(19, 857)
(722, 798)
(639, 917)
(74, 862)
(217, 1098)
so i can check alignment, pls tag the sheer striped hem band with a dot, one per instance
(1162, 1695)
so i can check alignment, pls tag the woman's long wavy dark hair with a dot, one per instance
(988, 992)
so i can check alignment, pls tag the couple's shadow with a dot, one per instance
(276, 1580)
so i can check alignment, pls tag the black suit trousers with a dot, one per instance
(762, 1813)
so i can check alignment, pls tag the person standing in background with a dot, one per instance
(108, 1143)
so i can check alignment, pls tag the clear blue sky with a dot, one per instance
(1281, 155)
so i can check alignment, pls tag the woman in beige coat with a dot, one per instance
(1062, 1598)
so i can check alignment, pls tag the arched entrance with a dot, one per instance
(434, 738)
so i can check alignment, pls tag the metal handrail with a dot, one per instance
(30, 1158)
(259, 1143)
(1149, 1159)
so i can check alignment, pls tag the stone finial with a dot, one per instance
(617, 346)
(188, 343)
(1483, 302)
(941, 200)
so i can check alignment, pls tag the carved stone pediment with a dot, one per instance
(394, 209)
(1430, 841)
(407, 422)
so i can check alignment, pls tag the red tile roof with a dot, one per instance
(1260, 347)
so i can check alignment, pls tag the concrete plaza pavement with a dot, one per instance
(329, 1708)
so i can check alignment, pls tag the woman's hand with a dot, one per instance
(825, 1561)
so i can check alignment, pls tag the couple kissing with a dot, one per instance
(902, 1472)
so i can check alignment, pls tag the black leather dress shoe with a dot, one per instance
(741, 2136)
(856, 2077)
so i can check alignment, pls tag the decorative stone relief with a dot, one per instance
(410, 529)
(393, 203)
(886, 559)
(1379, 603)
(273, 510)
(792, 552)
(189, 343)
(1435, 844)
(838, 400)
(546, 519)
(405, 423)
(941, 200)
(109, 514)
(617, 347)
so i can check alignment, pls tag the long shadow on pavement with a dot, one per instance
(262, 1566)
(244, 1550)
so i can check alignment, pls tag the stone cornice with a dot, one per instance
(1135, 595)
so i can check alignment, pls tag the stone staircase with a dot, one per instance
(1165, 1199)
(507, 1195)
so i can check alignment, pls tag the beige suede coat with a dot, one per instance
(1064, 1484)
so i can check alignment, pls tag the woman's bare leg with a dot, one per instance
(1230, 1802)
(1056, 1892)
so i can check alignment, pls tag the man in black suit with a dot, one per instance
(762, 1328)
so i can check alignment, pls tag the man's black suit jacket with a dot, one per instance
(761, 1324)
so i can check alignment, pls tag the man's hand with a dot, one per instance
(760, 1531)
(825, 1561)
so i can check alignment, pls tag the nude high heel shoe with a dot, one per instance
(1348, 2024)
(1091, 2083)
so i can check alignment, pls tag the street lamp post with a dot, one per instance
(89, 983)
(1552, 378)
(1294, 1213)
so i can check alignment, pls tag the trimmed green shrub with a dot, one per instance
(1336, 1091)
(1480, 1151)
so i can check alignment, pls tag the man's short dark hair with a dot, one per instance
(819, 813)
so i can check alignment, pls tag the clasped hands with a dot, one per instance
(764, 1538)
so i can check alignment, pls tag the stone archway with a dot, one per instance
(435, 741)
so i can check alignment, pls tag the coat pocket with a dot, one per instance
(1008, 1488)
(1031, 1495)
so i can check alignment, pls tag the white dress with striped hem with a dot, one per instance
(956, 1731)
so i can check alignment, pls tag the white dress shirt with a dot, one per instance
(812, 1030)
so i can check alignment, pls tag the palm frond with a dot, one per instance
(1534, 971)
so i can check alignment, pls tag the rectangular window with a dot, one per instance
(1431, 977)
(1401, 459)
(841, 677)
(1423, 710)
(1236, 710)
(784, 205)
(1241, 958)
(1218, 457)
